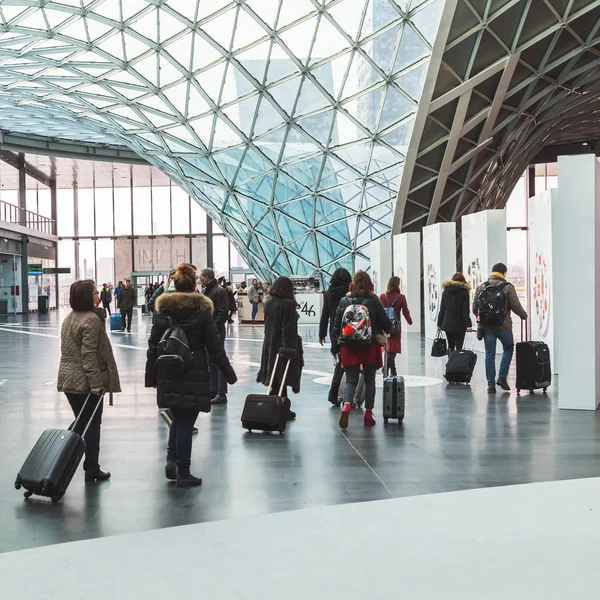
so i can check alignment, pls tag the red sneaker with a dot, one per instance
(345, 415)
(369, 420)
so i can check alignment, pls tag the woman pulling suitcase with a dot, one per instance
(454, 318)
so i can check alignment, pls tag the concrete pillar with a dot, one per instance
(381, 264)
(577, 276)
(407, 266)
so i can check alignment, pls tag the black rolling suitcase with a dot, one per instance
(534, 371)
(394, 394)
(460, 365)
(268, 412)
(52, 462)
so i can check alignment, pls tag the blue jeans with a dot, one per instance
(352, 377)
(254, 310)
(179, 449)
(508, 345)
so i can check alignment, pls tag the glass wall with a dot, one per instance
(142, 229)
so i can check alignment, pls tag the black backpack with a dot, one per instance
(174, 353)
(493, 305)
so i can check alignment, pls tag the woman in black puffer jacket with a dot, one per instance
(188, 394)
(338, 288)
(454, 318)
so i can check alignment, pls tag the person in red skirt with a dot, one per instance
(360, 323)
(395, 299)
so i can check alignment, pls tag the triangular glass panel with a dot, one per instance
(329, 250)
(133, 47)
(381, 14)
(297, 145)
(319, 126)
(254, 61)
(411, 50)
(311, 99)
(221, 28)
(288, 189)
(186, 8)
(267, 117)
(203, 128)
(146, 24)
(389, 178)
(293, 10)
(290, 228)
(396, 108)
(281, 264)
(358, 155)
(260, 188)
(247, 30)
(382, 48)
(374, 196)
(211, 81)
(285, 93)
(383, 157)
(236, 85)
(328, 41)
(280, 68)
(168, 26)
(337, 171)
(224, 136)
(331, 74)
(399, 137)
(299, 38)
(181, 50)
(129, 8)
(242, 114)
(267, 11)
(327, 212)
(305, 247)
(427, 20)
(412, 81)
(204, 53)
(148, 67)
(169, 73)
(366, 109)
(210, 8)
(348, 15)
(177, 95)
(307, 172)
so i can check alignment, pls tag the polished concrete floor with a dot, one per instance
(453, 438)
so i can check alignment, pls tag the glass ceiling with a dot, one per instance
(287, 120)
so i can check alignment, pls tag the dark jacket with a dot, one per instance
(194, 312)
(331, 300)
(160, 290)
(218, 296)
(281, 331)
(127, 298)
(379, 320)
(513, 303)
(105, 296)
(231, 298)
(454, 307)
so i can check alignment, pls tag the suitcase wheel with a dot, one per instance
(28, 494)
(545, 390)
(18, 484)
(518, 392)
(56, 499)
(400, 421)
(531, 392)
(385, 419)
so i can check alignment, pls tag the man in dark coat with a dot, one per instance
(218, 296)
(338, 288)
(127, 300)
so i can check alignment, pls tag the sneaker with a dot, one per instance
(368, 418)
(491, 390)
(219, 399)
(171, 471)
(503, 384)
(194, 431)
(167, 417)
(188, 480)
(291, 415)
(345, 415)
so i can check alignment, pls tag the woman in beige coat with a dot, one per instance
(87, 365)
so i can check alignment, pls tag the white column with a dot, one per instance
(407, 267)
(439, 264)
(381, 263)
(541, 268)
(577, 289)
(483, 245)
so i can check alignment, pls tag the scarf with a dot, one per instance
(496, 274)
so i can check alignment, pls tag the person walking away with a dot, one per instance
(160, 289)
(232, 302)
(185, 392)
(493, 303)
(395, 299)
(218, 296)
(148, 293)
(87, 366)
(254, 297)
(127, 300)
(338, 288)
(454, 317)
(281, 333)
(117, 293)
(360, 322)
(106, 298)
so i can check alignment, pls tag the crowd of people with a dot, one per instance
(188, 365)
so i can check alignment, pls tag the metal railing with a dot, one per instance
(14, 214)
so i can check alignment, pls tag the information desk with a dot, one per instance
(245, 309)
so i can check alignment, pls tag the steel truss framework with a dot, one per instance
(512, 77)
(287, 120)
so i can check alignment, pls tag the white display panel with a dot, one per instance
(541, 268)
(483, 245)
(577, 282)
(407, 267)
(439, 264)
(381, 263)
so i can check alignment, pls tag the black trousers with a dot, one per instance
(179, 449)
(456, 340)
(334, 390)
(92, 437)
(391, 364)
(127, 314)
(106, 307)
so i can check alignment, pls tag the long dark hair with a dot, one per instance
(81, 295)
(283, 287)
(340, 277)
(393, 285)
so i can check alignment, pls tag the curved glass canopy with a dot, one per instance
(287, 120)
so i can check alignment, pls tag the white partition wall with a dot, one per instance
(541, 268)
(483, 245)
(577, 281)
(439, 263)
(381, 263)
(407, 266)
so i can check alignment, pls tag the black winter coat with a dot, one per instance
(331, 301)
(454, 307)
(127, 298)
(218, 296)
(380, 323)
(160, 290)
(281, 331)
(192, 390)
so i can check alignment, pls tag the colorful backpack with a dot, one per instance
(356, 325)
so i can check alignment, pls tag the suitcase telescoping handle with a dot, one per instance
(284, 378)
(100, 397)
(524, 336)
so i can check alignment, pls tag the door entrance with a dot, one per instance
(10, 284)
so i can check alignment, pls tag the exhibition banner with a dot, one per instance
(407, 267)
(381, 263)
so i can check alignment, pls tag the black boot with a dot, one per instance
(185, 480)
(171, 470)
(93, 476)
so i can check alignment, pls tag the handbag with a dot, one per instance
(440, 346)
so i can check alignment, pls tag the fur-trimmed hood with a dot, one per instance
(455, 286)
(177, 301)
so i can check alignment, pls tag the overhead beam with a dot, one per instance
(18, 161)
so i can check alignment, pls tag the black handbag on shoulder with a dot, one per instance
(440, 346)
